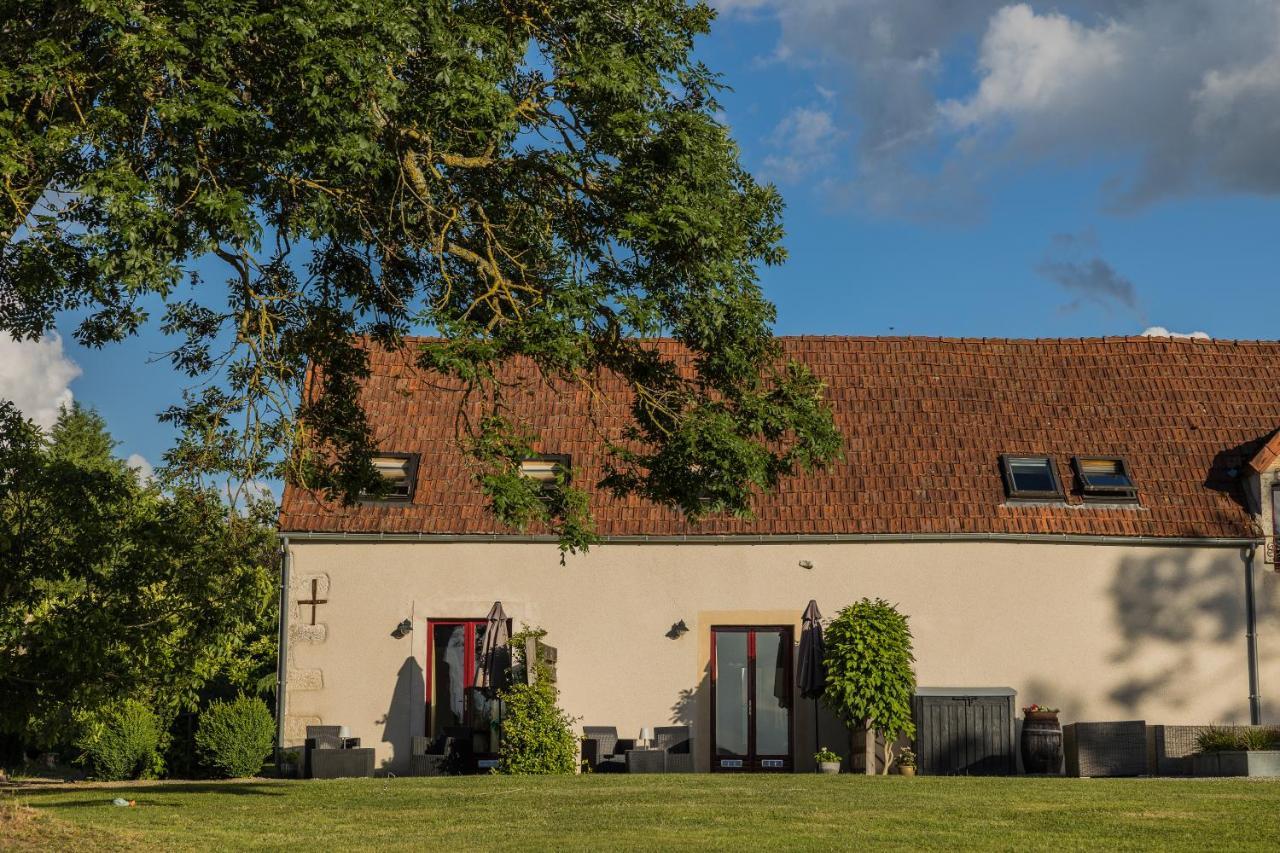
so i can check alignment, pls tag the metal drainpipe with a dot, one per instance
(282, 644)
(1251, 638)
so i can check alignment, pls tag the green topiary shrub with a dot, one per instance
(871, 672)
(235, 737)
(125, 741)
(537, 737)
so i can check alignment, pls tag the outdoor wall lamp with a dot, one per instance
(678, 630)
(403, 628)
(806, 564)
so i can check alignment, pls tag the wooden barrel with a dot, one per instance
(1041, 743)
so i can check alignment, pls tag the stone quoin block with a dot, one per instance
(306, 679)
(308, 633)
(295, 726)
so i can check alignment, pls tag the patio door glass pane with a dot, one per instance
(773, 691)
(732, 668)
(449, 677)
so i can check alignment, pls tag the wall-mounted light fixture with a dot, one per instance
(806, 564)
(403, 628)
(678, 630)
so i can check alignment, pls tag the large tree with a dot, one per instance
(526, 179)
(111, 588)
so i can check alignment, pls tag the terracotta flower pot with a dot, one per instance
(907, 771)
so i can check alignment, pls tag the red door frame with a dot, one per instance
(752, 762)
(468, 663)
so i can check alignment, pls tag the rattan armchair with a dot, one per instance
(603, 751)
(677, 747)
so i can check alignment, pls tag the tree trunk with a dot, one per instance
(869, 748)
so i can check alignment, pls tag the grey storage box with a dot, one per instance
(1105, 749)
(965, 731)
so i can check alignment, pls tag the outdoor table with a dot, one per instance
(646, 760)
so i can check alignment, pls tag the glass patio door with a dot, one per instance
(751, 689)
(454, 701)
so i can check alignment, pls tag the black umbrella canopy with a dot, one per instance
(493, 666)
(811, 677)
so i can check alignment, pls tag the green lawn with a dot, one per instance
(656, 812)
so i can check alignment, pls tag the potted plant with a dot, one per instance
(907, 762)
(1237, 751)
(1041, 745)
(289, 764)
(828, 761)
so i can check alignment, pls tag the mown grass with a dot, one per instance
(660, 812)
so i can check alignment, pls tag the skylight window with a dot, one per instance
(400, 471)
(1030, 478)
(1104, 478)
(547, 469)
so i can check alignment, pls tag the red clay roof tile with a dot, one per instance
(925, 421)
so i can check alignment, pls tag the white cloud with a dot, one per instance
(144, 469)
(1162, 332)
(804, 141)
(1175, 96)
(36, 376)
(1033, 63)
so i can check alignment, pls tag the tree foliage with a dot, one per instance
(871, 675)
(113, 589)
(298, 180)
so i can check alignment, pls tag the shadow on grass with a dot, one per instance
(147, 795)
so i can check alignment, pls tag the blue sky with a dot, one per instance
(978, 168)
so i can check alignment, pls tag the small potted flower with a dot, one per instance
(907, 762)
(1040, 712)
(828, 761)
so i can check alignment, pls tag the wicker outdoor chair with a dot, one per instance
(443, 755)
(675, 743)
(603, 751)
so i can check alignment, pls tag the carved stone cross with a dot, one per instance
(315, 599)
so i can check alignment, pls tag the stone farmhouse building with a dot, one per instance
(1089, 522)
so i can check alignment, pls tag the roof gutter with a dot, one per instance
(787, 539)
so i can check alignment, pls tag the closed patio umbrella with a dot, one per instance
(812, 675)
(493, 666)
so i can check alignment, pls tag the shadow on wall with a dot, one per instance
(1045, 691)
(397, 724)
(1176, 603)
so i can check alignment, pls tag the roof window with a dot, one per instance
(1030, 478)
(400, 472)
(548, 468)
(1104, 478)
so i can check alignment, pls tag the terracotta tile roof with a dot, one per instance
(924, 420)
(1267, 456)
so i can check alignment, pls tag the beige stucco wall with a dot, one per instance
(1104, 631)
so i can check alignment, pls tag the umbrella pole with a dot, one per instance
(816, 768)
